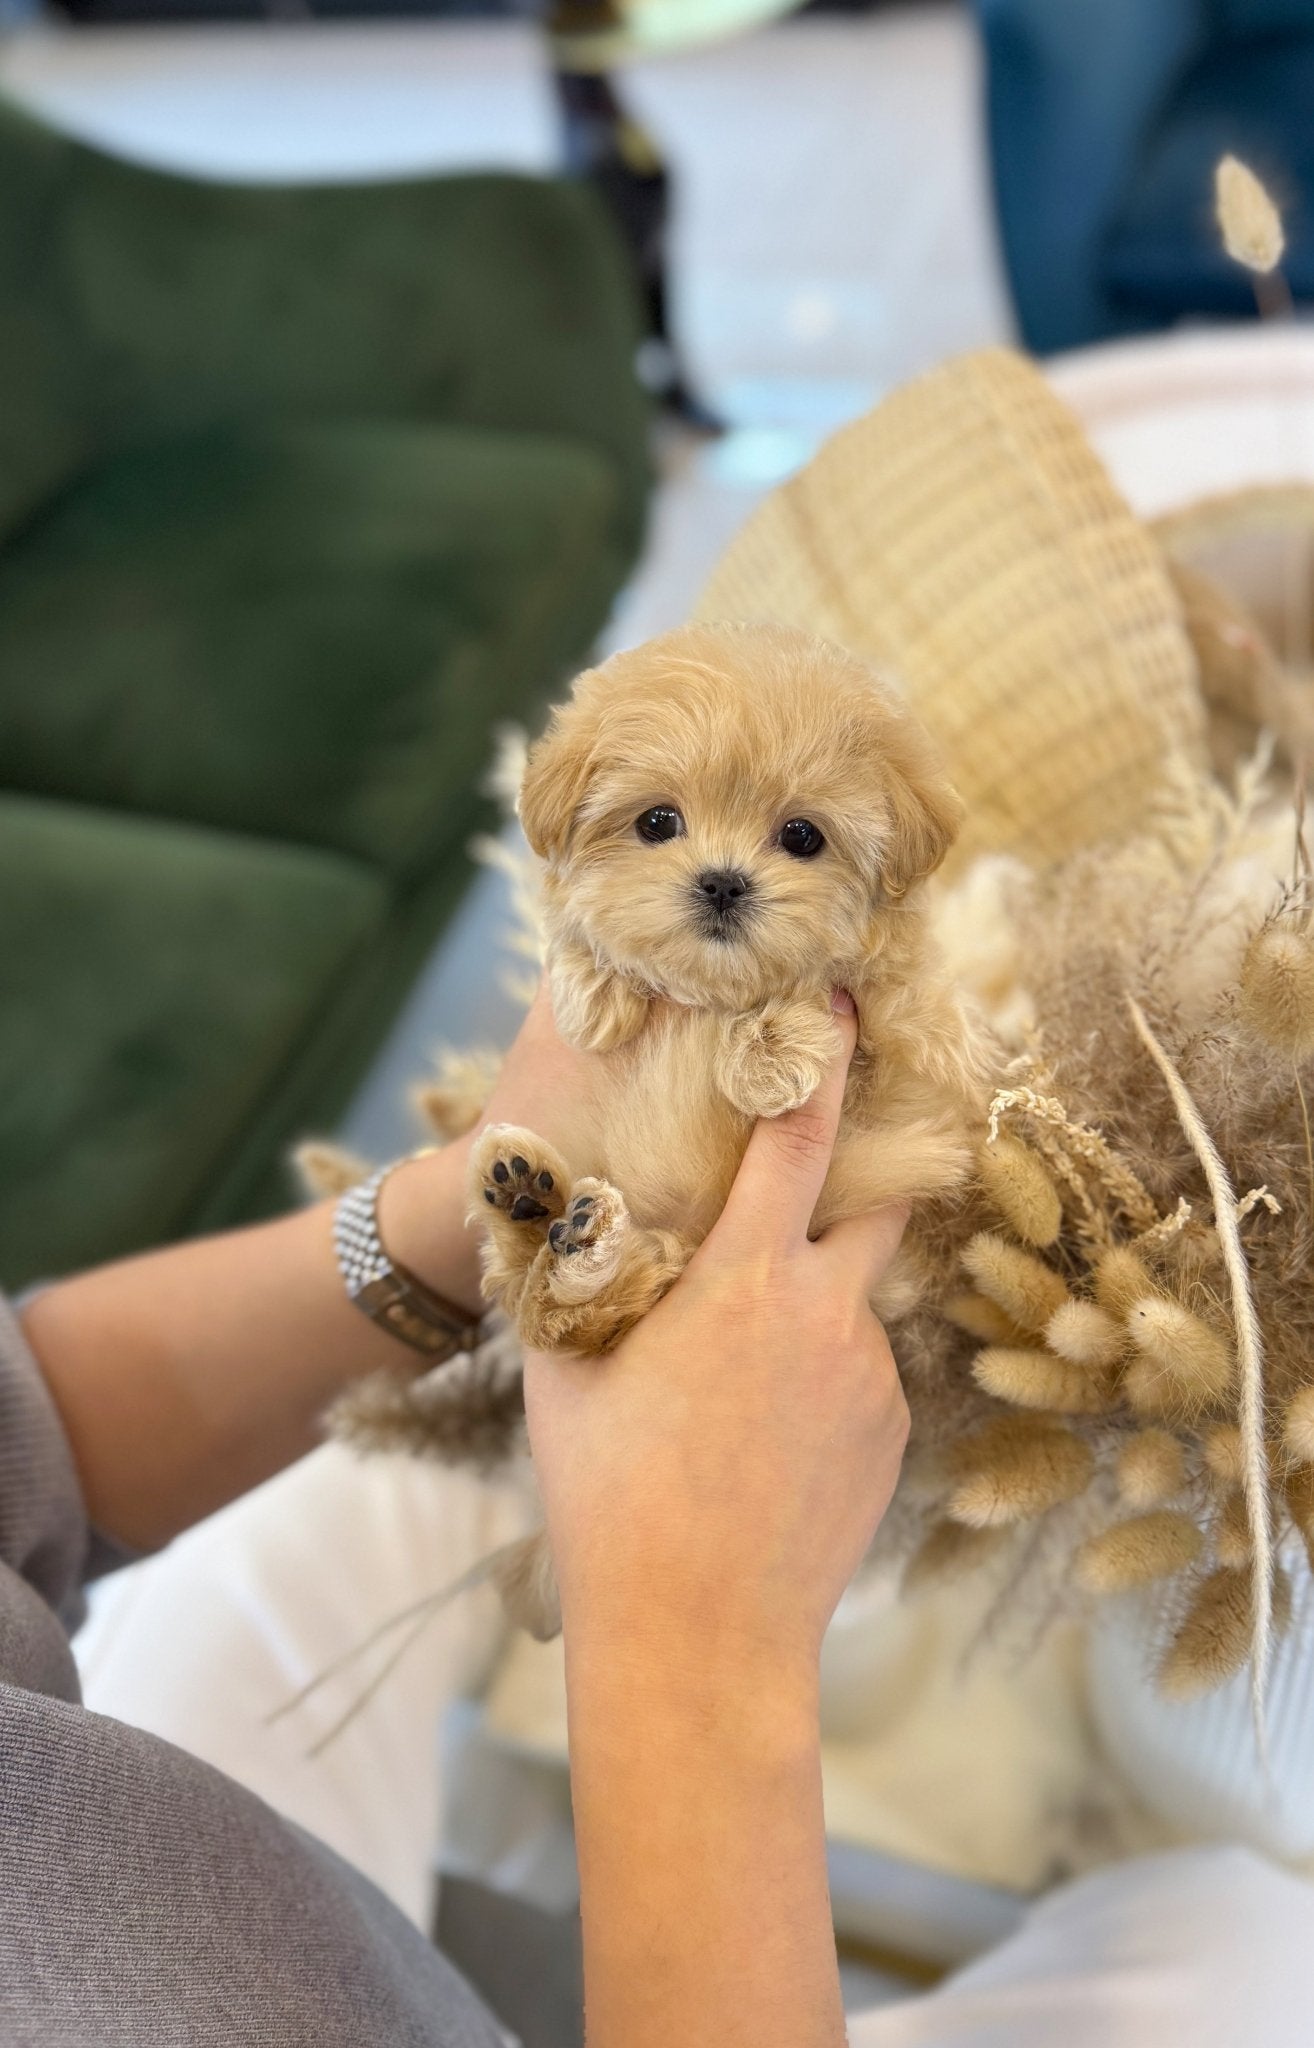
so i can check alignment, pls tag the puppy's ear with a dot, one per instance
(556, 776)
(927, 811)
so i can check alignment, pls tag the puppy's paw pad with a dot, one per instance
(578, 1228)
(586, 1240)
(518, 1177)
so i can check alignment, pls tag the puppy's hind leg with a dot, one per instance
(518, 1186)
(597, 1274)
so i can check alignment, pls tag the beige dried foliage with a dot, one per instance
(1298, 1426)
(1138, 1551)
(984, 1319)
(1277, 989)
(1248, 220)
(1213, 1641)
(1151, 1468)
(1121, 1279)
(1223, 1454)
(1247, 1332)
(1086, 1334)
(949, 1551)
(1233, 1544)
(1183, 1367)
(1168, 919)
(1298, 1493)
(1037, 1379)
(1027, 1290)
(1016, 1468)
(1015, 1180)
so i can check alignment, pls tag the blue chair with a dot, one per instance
(1106, 118)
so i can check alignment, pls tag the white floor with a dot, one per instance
(833, 238)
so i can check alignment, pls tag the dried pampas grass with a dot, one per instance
(1248, 220)
(1146, 1370)
(1013, 1469)
(1038, 1379)
(1213, 1641)
(1182, 1368)
(1137, 1552)
(1277, 989)
(1086, 1334)
(1298, 1426)
(1014, 1178)
(1151, 1468)
(1029, 1292)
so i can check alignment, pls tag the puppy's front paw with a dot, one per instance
(587, 1242)
(771, 1060)
(517, 1176)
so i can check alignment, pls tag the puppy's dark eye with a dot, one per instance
(661, 822)
(801, 838)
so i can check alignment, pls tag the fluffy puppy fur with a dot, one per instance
(733, 820)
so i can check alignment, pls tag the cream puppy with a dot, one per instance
(734, 822)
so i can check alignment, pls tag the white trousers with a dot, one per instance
(203, 1642)
(1210, 1948)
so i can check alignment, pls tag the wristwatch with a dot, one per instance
(386, 1291)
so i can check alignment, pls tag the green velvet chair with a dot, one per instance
(301, 491)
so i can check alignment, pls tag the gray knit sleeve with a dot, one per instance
(144, 1898)
(44, 1540)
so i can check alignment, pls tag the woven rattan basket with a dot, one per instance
(964, 536)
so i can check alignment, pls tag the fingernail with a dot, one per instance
(842, 1002)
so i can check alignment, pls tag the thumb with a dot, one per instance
(788, 1157)
(865, 1246)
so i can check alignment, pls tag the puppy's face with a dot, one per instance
(727, 812)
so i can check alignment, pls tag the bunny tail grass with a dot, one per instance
(1248, 220)
(412, 1620)
(1250, 1362)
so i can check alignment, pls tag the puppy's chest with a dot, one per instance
(669, 1140)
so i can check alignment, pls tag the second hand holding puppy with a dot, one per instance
(721, 1480)
(709, 1494)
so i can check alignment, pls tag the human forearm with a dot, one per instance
(698, 1818)
(189, 1375)
(710, 1489)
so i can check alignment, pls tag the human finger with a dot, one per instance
(865, 1246)
(788, 1157)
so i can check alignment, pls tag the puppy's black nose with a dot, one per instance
(724, 888)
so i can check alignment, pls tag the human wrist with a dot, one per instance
(763, 1700)
(422, 1226)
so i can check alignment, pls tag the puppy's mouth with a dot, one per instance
(723, 905)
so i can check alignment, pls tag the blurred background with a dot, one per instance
(308, 488)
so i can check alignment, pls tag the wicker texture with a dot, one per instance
(965, 536)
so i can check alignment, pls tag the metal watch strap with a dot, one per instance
(387, 1292)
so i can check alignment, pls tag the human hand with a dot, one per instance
(712, 1485)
